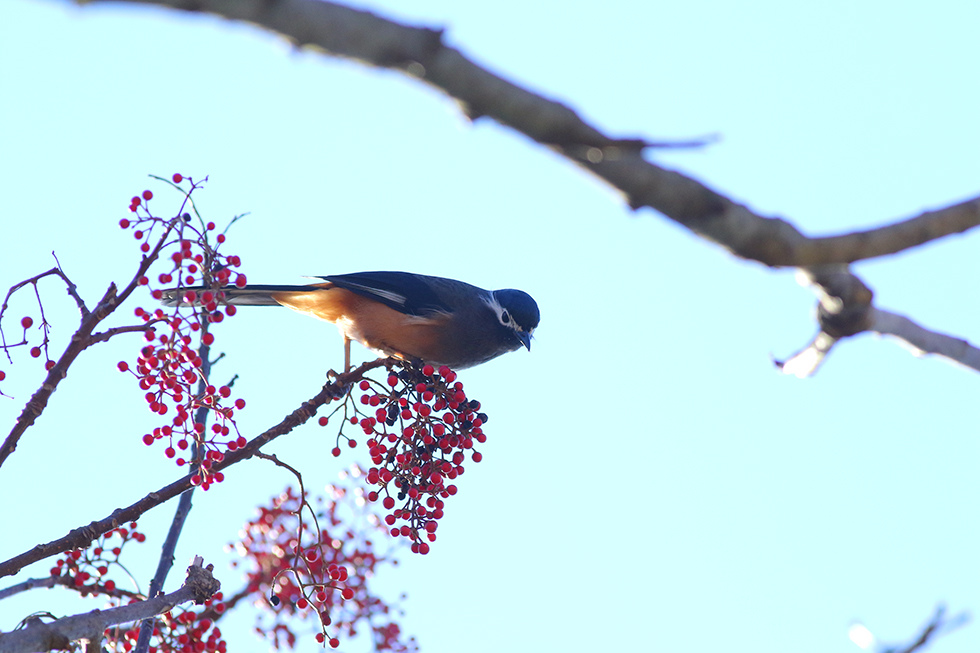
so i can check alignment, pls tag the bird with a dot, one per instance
(412, 317)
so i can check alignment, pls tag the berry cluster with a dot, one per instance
(177, 631)
(419, 433)
(172, 368)
(316, 563)
(86, 569)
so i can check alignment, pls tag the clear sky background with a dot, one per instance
(650, 482)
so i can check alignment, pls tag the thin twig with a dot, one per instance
(102, 336)
(72, 289)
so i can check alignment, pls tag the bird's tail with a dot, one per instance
(257, 295)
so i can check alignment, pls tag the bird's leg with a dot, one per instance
(346, 354)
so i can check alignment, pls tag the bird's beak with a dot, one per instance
(525, 339)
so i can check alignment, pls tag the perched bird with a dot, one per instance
(408, 316)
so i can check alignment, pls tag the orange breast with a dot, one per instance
(371, 323)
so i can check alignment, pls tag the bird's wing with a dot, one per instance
(406, 293)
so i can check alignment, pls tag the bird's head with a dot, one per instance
(516, 311)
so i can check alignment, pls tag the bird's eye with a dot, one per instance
(505, 317)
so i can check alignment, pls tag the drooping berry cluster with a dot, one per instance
(172, 368)
(178, 631)
(317, 564)
(420, 431)
(87, 569)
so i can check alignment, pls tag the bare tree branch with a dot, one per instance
(83, 536)
(845, 309)
(67, 582)
(421, 53)
(923, 341)
(938, 625)
(199, 586)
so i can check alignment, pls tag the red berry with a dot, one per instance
(147, 195)
(26, 322)
(428, 370)
(48, 365)
(335, 452)
(35, 352)
(322, 421)
(3, 375)
(334, 642)
(178, 177)
(124, 223)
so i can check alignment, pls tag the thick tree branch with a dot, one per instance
(421, 53)
(199, 586)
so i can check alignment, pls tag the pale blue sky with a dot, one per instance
(650, 483)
